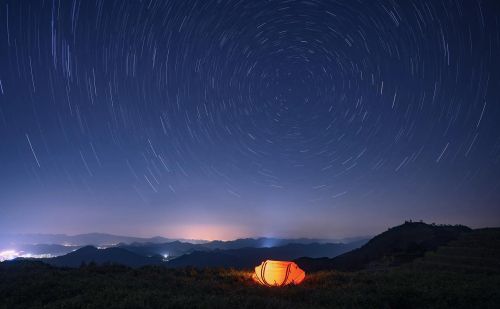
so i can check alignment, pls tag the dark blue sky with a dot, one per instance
(222, 119)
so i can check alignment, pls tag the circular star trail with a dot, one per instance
(299, 118)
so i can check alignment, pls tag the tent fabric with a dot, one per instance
(278, 273)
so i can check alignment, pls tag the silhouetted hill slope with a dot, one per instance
(251, 257)
(474, 252)
(398, 245)
(90, 254)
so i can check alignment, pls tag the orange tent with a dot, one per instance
(278, 273)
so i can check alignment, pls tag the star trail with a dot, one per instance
(223, 119)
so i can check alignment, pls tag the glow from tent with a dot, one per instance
(278, 273)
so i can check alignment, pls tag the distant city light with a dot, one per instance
(10, 254)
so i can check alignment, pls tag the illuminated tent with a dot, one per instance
(278, 273)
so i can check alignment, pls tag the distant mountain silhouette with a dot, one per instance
(400, 244)
(250, 257)
(145, 247)
(237, 258)
(90, 254)
(95, 239)
(171, 249)
(177, 248)
(261, 242)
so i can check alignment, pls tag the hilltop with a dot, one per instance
(398, 245)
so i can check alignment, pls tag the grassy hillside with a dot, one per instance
(474, 252)
(39, 286)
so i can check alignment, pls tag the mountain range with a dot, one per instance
(178, 248)
(51, 245)
(198, 256)
(396, 246)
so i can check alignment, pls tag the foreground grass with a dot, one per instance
(38, 286)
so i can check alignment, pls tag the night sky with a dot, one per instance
(223, 119)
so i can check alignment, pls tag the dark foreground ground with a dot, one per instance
(33, 285)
